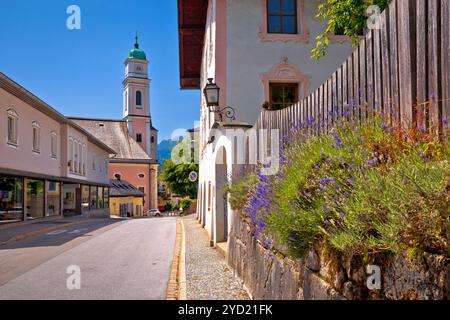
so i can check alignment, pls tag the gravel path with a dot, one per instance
(207, 275)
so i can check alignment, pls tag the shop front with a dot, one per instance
(27, 199)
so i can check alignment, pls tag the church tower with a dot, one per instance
(136, 101)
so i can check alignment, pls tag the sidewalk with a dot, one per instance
(15, 232)
(208, 277)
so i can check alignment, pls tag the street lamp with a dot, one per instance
(212, 95)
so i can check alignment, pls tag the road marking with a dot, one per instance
(78, 231)
(55, 233)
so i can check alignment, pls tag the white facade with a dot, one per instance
(244, 60)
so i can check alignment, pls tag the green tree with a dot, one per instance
(177, 178)
(345, 17)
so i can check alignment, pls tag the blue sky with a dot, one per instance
(80, 72)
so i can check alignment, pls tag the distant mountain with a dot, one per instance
(165, 150)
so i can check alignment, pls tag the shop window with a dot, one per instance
(35, 199)
(100, 194)
(53, 199)
(11, 199)
(94, 198)
(106, 197)
(85, 198)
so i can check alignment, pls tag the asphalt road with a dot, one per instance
(117, 260)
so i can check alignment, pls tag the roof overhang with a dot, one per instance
(191, 30)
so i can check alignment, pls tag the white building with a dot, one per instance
(257, 52)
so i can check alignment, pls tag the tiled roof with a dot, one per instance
(122, 188)
(114, 133)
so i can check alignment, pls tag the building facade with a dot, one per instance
(258, 53)
(133, 138)
(125, 199)
(49, 166)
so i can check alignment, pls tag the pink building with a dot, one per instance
(49, 165)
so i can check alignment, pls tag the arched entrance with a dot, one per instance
(221, 200)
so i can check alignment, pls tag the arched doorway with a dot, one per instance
(221, 200)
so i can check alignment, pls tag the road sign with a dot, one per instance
(193, 176)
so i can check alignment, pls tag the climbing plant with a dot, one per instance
(345, 17)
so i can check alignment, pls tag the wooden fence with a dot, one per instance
(401, 69)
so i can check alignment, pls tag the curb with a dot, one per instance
(174, 287)
(39, 232)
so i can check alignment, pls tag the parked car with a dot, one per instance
(154, 213)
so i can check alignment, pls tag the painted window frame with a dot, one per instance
(12, 133)
(285, 72)
(53, 145)
(286, 85)
(281, 15)
(36, 137)
(302, 34)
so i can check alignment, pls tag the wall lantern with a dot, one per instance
(212, 95)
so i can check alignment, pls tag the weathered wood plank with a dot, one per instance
(434, 74)
(345, 89)
(350, 90)
(330, 105)
(421, 65)
(370, 107)
(445, 52)
(335, 99)
(356, 86)
(377, 77)
(407, 61)
(395, 101)
(386, 65)
(339, 92)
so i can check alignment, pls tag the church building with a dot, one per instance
(134, 138)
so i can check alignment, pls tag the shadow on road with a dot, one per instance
(62, 235)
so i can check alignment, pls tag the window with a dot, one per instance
(94, 198)
(139, 137)
(282, 16)
(35, 199)
(12, 127)
(153, 139)
(142, 189)
(106, 197)
(138, 98)
(118, 176)
(85, 198)
(36, 137)
(93, 162)
(283, 95)
(53, 199)
(54, 145)
(11, 199)
(100, 193)
(141, 176)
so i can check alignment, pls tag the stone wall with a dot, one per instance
(327, 275)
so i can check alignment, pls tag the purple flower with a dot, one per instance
(384, 126)
(342, 214)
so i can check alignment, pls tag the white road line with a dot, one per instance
(55, 233)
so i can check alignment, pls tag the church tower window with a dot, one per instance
(139, 98)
